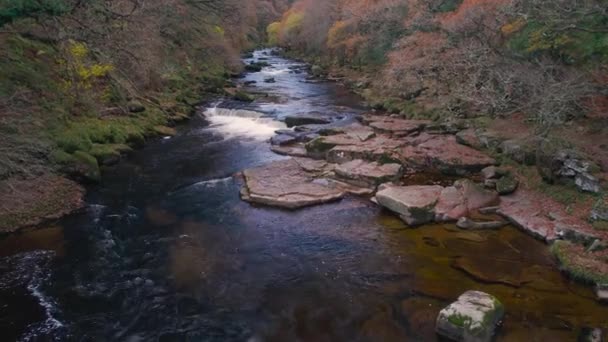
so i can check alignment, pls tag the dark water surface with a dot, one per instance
(167, 251)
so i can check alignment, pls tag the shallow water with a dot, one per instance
(167, 251)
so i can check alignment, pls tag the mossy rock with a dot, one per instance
(164, 131)
(318, 146)
(253, 67)
(243, 96)
(579, 264)
(507, 184)
(86, 166)
(135, 107)
(108, 154)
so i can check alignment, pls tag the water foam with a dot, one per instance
(242, 123)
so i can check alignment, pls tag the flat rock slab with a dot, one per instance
(355, 130)
(363, 173)
(395, 126)
(297, 150)
(286, 184)
(321, 146)
(414, 204)
(543, 217)
(472, 318)
(446, 155)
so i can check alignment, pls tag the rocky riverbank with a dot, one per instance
(387, 158)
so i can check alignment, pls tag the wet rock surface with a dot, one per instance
(472, 318)
(285, 184)
(414, 204)
(364, 173)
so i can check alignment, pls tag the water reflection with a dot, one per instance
(172, 253)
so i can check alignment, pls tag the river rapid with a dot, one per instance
(167, 251)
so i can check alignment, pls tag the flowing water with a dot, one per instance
(167, 251)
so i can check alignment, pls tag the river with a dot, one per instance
(167, 251)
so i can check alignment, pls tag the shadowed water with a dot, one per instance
(167, 251)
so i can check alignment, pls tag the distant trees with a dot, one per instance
(463, 57)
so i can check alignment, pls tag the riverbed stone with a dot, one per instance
(451, 205)
(285, 184)
(591, 335)
(414, 204)
(446, 155)
(543, 217)
(363, 173)
(601, 292)
(290, 150)
(507, 184)
(283, 139)
(395, 126)
(467, 223)
(472, 318)
(305, 119)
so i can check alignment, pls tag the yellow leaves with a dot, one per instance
(294, 20)
(219, 30)
(273, 30)
(85, 72)
(513, 27)
(78, 50)
(543, 39)
(336, 33)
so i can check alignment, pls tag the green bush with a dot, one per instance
(11, 10)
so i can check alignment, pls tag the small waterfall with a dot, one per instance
(242, 123)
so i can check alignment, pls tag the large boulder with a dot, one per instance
(461, 199)
(285, 184)
(522, 151)
(472, 318)
(446, 155)
(414, 204)
(451, 205)
(362, 173)
(565, 165)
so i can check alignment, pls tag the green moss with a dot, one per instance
(164, 130)
(459, 320)
(108, 153)
(243, 96)
(575, 46)
(318, 145)
(87, 166)
(569, 261)
(447, 6)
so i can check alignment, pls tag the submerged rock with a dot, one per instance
(601, 292)
(285, 184)
(414, 204)
(472, 318)
(591, 335)
(466, 223)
